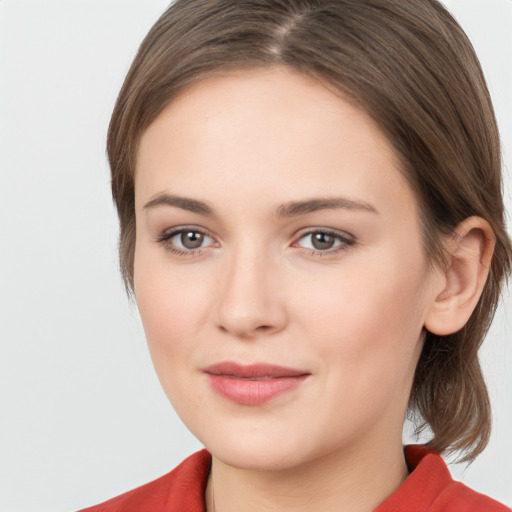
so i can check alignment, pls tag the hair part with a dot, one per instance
(411, 67)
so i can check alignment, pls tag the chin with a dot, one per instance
(267, 458)
(260, 449)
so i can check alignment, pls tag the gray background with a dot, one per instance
(82, 414)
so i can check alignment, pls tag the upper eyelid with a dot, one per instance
(164, 239)
(329, 231)
(302, 232)
(170, 232)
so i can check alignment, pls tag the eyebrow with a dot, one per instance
(296, 208)
(185, 203)
(291, 209)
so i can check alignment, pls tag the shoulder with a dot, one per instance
(430, 488)
(180, 490)
(457, 496)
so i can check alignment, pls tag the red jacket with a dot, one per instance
(429, 488)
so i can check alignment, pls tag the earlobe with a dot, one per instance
(462, 281)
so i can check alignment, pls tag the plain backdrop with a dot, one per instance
(82, 415)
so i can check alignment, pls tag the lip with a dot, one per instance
(253, 384)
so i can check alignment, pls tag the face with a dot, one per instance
(279, 269)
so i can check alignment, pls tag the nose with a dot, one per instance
(250, 303)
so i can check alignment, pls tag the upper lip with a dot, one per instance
(252, 371)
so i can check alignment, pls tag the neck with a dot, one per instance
(347, 480)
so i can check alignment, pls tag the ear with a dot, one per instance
(462, 280)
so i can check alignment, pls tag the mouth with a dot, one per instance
(253, 384)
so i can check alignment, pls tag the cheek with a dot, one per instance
(172, 302)
(369, 313)
(172, 307)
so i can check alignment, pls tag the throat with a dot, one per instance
(320, 486)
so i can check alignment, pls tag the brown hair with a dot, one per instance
(411, 67)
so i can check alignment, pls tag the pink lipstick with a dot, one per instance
(253, 384)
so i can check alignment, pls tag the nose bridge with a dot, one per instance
(248, 303)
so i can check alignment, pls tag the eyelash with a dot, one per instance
(165, 240)
(345, 241)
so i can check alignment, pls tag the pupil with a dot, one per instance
(322, 241)
(192, 239)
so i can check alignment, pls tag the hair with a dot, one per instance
(410, 66)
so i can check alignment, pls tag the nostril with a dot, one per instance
(245, 331)
(263, 328)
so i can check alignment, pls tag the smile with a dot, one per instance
(253, 384)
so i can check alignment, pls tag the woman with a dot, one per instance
(309, 194)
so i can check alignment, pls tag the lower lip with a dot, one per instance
(253, 392)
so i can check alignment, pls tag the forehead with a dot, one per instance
(243, 99)
(274, 131)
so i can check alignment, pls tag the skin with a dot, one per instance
(256, 290)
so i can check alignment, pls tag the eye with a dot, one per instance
(185, 241)
(325, 241)
(189, 239)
